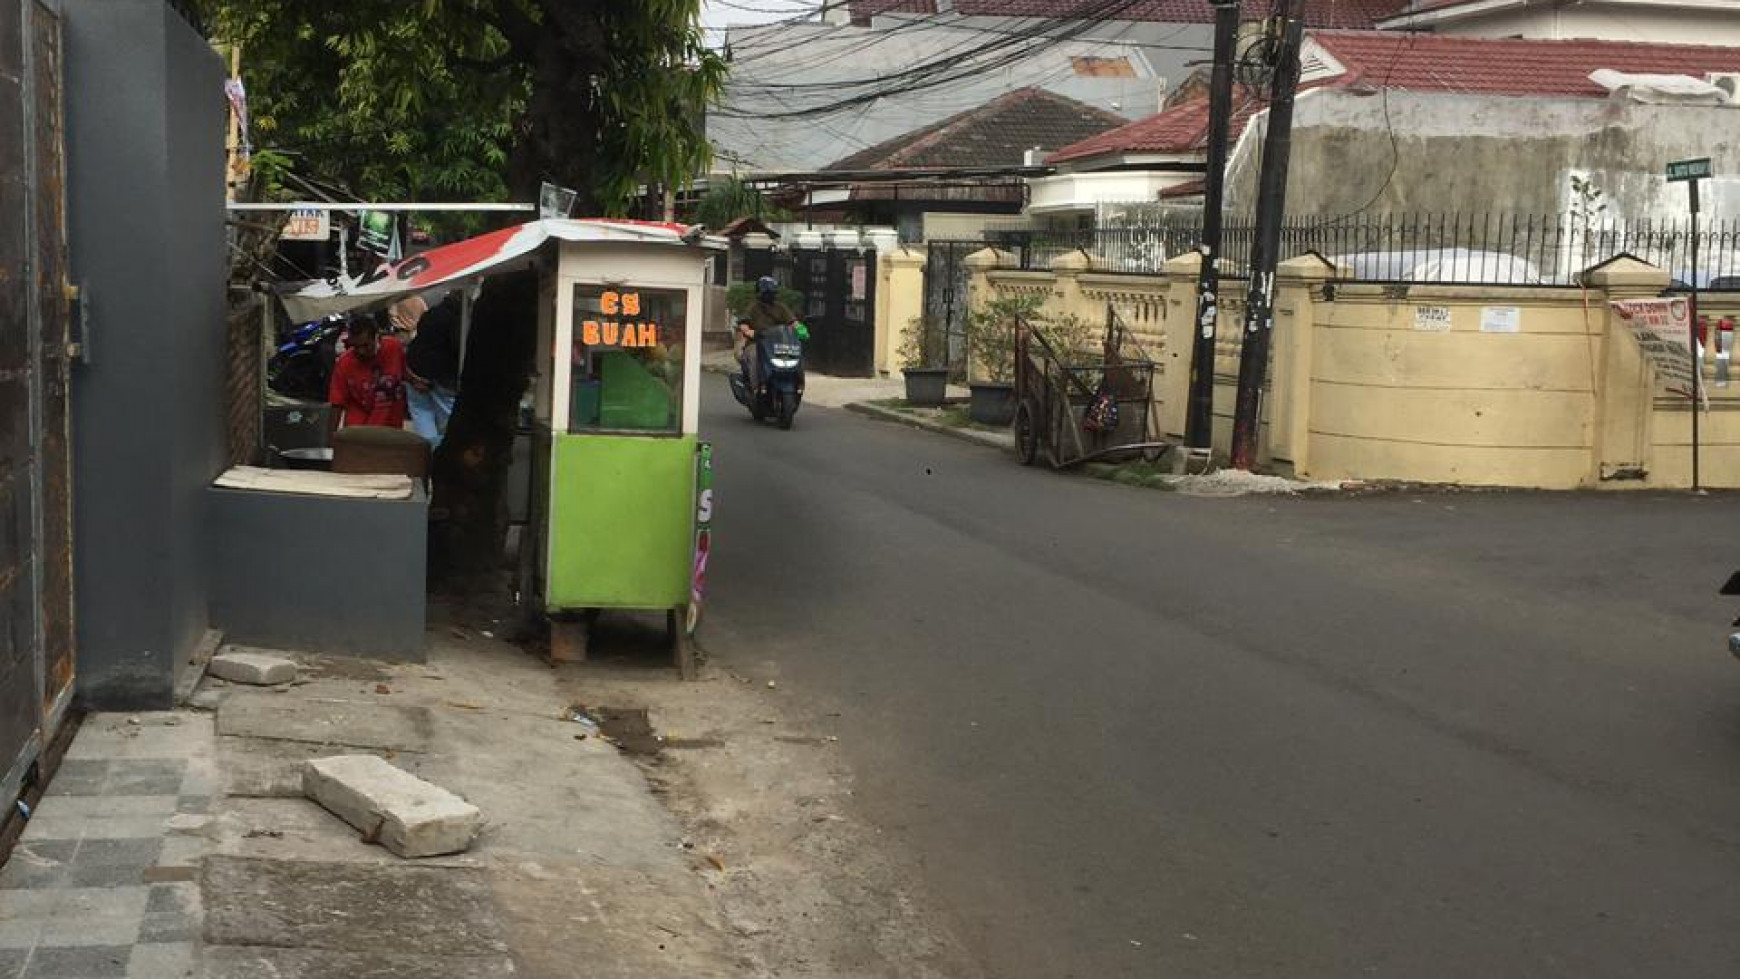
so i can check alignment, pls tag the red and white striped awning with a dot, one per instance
(497, 251)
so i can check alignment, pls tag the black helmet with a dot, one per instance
(766, 287)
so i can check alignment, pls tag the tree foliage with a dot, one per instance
(477, 99)
(730, 198)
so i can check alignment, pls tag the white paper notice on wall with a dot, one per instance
(1500, 319)
(1432, 319)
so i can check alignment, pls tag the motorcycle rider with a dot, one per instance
(766, 314)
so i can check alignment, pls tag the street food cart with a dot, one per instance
(615, 521)
(620, 482)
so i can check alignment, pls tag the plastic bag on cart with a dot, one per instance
(1102, 412)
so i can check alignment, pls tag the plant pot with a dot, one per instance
(926, 385)
(992, 404)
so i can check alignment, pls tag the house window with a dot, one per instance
(1091, 67)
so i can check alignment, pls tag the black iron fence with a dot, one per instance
(1453, 249)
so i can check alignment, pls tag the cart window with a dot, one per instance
(628, 359)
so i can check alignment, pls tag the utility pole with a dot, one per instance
(1265, 249)
(1199, 416)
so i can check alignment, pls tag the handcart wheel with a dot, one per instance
(1026, 434)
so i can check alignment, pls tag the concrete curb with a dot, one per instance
(990, 439)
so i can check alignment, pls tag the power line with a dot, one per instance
(1004, 52)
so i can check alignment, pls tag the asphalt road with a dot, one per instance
(1132, 733)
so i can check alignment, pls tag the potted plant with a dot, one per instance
(923, 347)
(991, 338)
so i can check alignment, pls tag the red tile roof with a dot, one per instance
(1357, 14)
(995, 134)
(1180, 129)
(1429, 63)
(1508, 66)
(863, 10)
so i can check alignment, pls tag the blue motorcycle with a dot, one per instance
(302, 365)
(781, 354)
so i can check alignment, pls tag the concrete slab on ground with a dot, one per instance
(407, 815)
(241, 665)
(347, 723)
(230, 962)
(379, 919)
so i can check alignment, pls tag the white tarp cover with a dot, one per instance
(1659, 89)
(460, 260)
(1441, 265)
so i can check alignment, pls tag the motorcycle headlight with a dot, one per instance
(784, 363)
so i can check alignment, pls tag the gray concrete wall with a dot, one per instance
(199, 262)
(1478, 154)
(145, 205)
(318, 573)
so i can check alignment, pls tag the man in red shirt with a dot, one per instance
(368, 382)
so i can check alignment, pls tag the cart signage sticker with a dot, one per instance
(703, 531)
(1662, 328)
(619, 332)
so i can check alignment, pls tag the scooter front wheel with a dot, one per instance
(786, 405)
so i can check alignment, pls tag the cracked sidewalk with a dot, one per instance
(179, 844)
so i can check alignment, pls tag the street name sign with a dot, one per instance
(1682, 170)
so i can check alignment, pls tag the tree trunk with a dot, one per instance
(471, 466)
(558, 133)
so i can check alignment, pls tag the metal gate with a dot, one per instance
(946, 278)
(839, 290)
(36, 596)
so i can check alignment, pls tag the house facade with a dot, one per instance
(1390, 122)
(951, 178)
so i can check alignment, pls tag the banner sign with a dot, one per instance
(492, 252)
(376, 231)
(1662, 328)
(308, 224)
(703, 532)
(237, 95)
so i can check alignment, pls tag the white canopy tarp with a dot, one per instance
(1657, 89)
(496, 251)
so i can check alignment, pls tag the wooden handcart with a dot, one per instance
(1061, 411)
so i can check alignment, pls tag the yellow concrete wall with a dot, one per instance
(1668, 429)
(1364, 386)
(899, 301)
(1392, 400)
